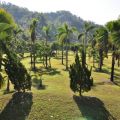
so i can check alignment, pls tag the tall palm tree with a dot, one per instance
(46, 30)
(65, 32)
(61, 38)
(114, 33)
(33, 37)
(102, 44)
(84, 36)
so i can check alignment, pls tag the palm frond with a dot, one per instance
(80, 35)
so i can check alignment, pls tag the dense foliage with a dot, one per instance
(80, 77)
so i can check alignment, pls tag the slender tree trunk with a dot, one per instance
(113, 64)
(46, 57)
(83, 58)
(43, 60)
(85, 48)
(62, 53)
(49, 62)
(31, 57)
(119, 61)
(80, 91)
(0, 61)
(101, 60)
(46, 64)
(93, 62)
(34, 57)
(8, 85)
(34, 61)
(66, 56)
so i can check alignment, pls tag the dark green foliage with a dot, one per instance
(80, 77)
(16, 71)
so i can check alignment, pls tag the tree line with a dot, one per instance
(92, 41)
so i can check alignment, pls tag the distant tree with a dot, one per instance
(55, 47)
(80, 77)
(46, 30)
(84, 36)
(33, 37)
(101, 44)
(65, 31)
(75, 48)
(114, 36)
(61, 39)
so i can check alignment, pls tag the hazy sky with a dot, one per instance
(99, 11)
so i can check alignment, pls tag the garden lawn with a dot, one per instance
(55, 101)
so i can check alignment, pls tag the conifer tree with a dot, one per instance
(16, 71)
(80, 76)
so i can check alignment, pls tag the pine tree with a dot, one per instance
(16, 71)
(80, 76)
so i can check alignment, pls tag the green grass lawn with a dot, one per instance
(57, 102)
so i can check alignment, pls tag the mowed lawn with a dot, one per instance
(56, 101)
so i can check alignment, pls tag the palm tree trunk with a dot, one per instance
(34, 56)
(0, 61)
(66, 56)
(119, 61)
(113, 64)
(46, 64)
(31, 57)
(34, 61)
(62, 53)
(49, 62)
(80, 91)
(101, 60)
(85, 48)
(8, 85)
(93, 62)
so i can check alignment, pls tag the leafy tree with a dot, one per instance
(65, 32)
(114, 36)
(61, 39)
(33, 37)
(6, 29)
(46, 30)
(101, 44)
(55, 47)
(85, 36)
(15, 70)
(80, 77)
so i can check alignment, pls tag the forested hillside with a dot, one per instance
(23, 17)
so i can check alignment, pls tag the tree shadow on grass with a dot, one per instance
(117, 82)
(18, 107)
(36, 84)
(48, 71)
(92, 108)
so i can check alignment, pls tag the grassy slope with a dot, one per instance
(57, 102)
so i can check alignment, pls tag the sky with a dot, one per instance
(98, 11)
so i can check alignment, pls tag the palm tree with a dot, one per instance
(46, 30)
(85, 35)
(61, 38)
(102, 44)
(114, 33)
(64, 34)
(33, 37)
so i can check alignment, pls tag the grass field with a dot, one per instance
(55, 101)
